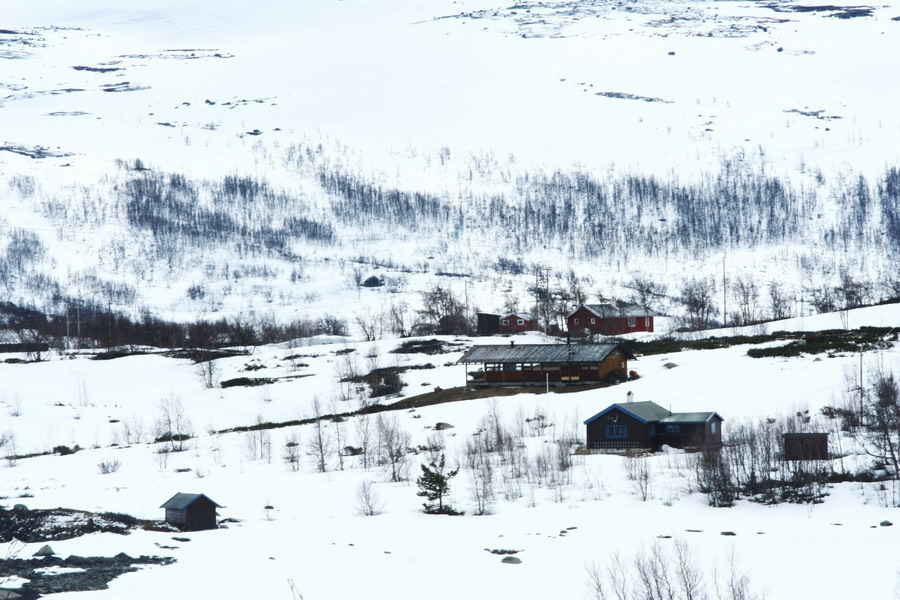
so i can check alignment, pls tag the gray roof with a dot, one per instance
(651, 411)
(540, 353)
(181, 501)
(622, 310)
(644, 411)
(691, 417)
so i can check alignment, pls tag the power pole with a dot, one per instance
(542, 293)
(724, 295)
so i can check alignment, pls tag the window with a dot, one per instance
(673, 429)
(617, 431)
(576, 320)
(647, 322)
(712, 426)
(504, 322)
(631, 322)
(593, 321)
(520, 322)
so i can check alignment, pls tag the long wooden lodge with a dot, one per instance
(539, 364)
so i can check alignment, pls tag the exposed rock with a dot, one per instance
(728, 533)
(89, 572)
(511, 560)
(885, 523)
(45, 550)
(442, 426)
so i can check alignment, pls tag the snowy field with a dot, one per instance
(535, 80)
(313, 535)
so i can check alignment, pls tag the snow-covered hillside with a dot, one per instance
(254, 164)
(292, 525)
(413, 139)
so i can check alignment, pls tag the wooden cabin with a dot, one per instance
(647, 425)
(518, 322)
(191, 512)
(609, 319)
(540, 364)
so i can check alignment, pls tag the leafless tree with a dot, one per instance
(338, 425)
(320, 442)
(173, 426)
(779, 301)
(370, 323)
(697, 298)
(646, 291)
(368, 504)
(364, 439)
(661, 574)
(393, 445)
(292, 450)
(443, 309)
(637, 470)
(400, 319)
(745, 292)
(209, 372)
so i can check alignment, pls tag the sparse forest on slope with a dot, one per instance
(837, 237)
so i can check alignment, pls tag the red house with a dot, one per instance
(609, 319)
(515, 323)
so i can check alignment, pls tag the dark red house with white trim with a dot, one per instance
(609, 319)
(515, 323)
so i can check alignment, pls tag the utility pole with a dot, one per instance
(466, 300)
(861, 392)
(542, 293)
(724, 295)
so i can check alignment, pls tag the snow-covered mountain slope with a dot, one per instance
(419, 138)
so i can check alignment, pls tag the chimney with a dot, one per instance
(512, 343)
(629, 397)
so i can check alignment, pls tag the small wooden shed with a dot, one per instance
(805, 446)
(191, 512)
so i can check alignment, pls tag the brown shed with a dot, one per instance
(805, 446)
(487, 324)
(191, 512)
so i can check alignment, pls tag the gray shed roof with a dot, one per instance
(606, 311)
(691, 417)
(643, 411)
(540, 353)
(181, 501)
(648, 412)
